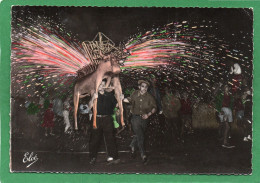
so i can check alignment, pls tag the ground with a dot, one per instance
(200, 152)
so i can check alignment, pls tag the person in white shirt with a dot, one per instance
(85, 117)
(65, 113)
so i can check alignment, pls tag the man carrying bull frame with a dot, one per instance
(106, 103)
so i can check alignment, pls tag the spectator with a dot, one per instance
(239, 112)
(85, 117)
(248, 115)
(154, 91)
(48, 120)
(171, 106)
(226, 116)
(186, 114)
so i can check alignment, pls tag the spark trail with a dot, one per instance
(186, 54)
(44, 57)
(42, 47)
(186, 57)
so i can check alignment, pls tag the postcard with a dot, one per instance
(131, 90)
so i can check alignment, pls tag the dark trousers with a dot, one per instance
(227, 129)
(105, 127)
(139, 126)
(84, 123)
(221, 129)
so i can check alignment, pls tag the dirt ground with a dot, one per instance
(198, 153)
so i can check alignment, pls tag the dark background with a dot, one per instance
(119, 24)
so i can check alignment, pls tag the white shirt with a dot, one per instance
(66, 116)
(235, 69)
(84, 109)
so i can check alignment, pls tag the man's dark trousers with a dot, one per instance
(139, 126)
(105, 125)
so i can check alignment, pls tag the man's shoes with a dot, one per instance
(227, 146)
(249, 137)
(132, 152)
(112, 161)
(92, 161)
(144, 159)
(245, 139)
(118, 136)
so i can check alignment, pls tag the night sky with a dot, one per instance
(121, 23)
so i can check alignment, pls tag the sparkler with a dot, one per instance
(183, 48)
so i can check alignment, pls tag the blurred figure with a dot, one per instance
(217, 100)
(127, 109)
(247, 121)
(32, 125)
(116, 120)
(239, 112)
(237, 78)
(48, 121)
(226, 116)
(85, 116)
(66, 111)
(154, 91)
(171, 106)
(186, 114)
(57, 107)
